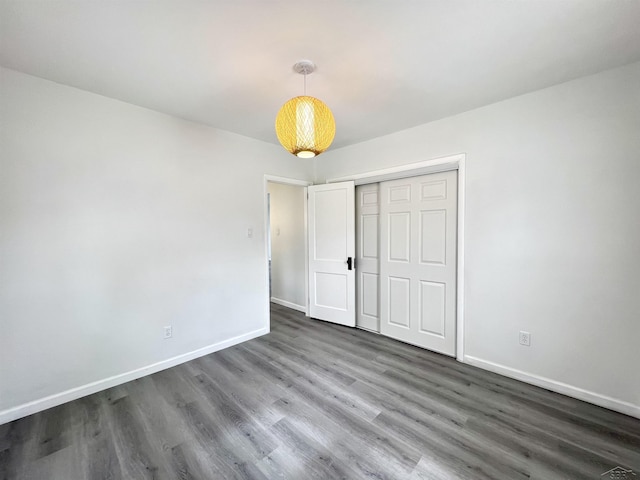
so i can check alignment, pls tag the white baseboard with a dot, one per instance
(284, 303)
(559, 387)
(93, 387)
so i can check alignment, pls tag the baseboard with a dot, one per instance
(284, 303)
(93, 387)
(559, 387)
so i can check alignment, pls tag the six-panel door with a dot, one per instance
(367, 261)
(418, 223)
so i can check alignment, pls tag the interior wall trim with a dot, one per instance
(435, 165)
(284, 303)
(558, 387)
(73, 394)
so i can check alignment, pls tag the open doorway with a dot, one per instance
(286, 203)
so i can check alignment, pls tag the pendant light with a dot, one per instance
(305, 125)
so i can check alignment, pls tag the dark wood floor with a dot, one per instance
(313, 400)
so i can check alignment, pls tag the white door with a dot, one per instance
(367, 232)
(418, 224)
(332, 252)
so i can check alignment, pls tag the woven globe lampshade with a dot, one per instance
(305, 126)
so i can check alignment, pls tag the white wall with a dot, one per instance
(114, 222)
(552, 239)
(288, 245)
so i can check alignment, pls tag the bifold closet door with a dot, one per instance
(418, 237)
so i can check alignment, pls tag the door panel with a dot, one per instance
(330, 225)
(368, 295)
(369, 239)
(418, 223)
(331, 243)
(331, 290)
(367, 234)
(433, 236)
(399, 301)
(399, 236)
(432, 307)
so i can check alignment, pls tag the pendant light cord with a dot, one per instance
(305, 84)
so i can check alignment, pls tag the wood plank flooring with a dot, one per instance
(313, 400)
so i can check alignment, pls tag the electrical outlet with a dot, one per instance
(168, 332)
(525, 339)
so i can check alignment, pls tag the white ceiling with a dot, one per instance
(383, 65)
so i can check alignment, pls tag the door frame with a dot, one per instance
(441, 164)
(297, 183)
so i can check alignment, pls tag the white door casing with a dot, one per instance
(367, 271)
(331, 243)
(418, 225)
